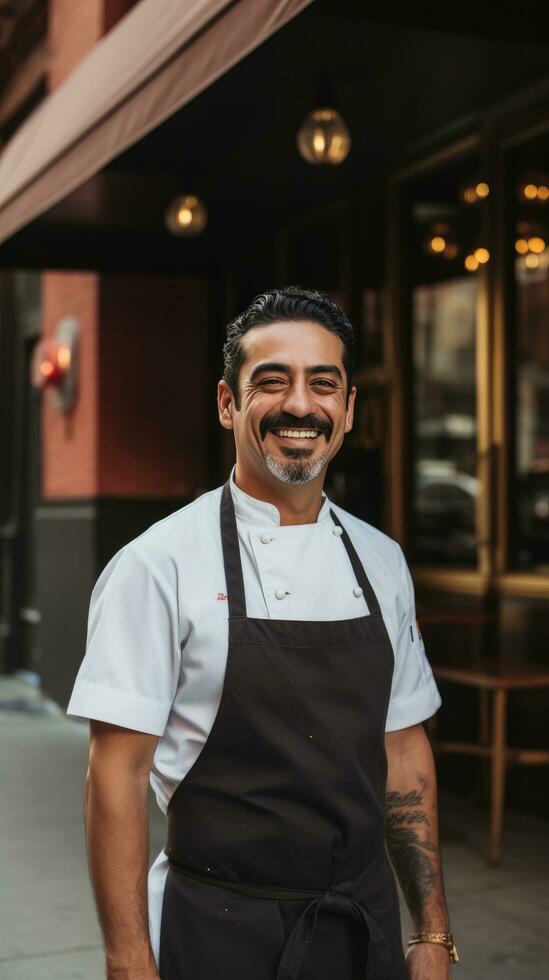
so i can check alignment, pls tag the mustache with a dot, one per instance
(283, 421)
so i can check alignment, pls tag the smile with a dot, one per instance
(296, 433)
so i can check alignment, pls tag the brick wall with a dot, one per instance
(139, 427)
(70, 443)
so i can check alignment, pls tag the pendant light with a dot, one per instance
(186, 216)
(323, 137)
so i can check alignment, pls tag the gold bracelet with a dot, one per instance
(439, 939)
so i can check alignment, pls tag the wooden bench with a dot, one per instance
(495, 681)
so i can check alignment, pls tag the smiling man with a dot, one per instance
(256, 655)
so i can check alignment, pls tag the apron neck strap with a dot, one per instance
(358, 569)
(236, 596)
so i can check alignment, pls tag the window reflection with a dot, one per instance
(530, 520)
(447, 254)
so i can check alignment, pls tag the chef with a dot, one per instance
(256, 656)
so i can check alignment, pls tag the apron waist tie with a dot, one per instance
(337, 899)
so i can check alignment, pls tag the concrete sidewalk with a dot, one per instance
(48, 928)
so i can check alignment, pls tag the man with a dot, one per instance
(256, 653)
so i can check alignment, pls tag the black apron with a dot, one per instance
(276, 835)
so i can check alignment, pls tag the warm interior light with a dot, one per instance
(469, 195)
(64, 357)
(536, 245)
(543, 193)
(482, 189)
(47, 369)
(186, 215)
(319, 142)
(324, 138)
(531, 260)
(437, 244)
(521, 246)
(530, 192)
(482, 255)
(471, 263)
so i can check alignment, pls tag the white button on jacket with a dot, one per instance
(158, 625)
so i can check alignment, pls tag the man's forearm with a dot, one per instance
(118, 849)
(412, 827)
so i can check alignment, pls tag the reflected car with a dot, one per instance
(445, 501)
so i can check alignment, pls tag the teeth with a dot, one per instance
(297, 433)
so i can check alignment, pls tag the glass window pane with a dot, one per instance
(529, 519)
(447, 255)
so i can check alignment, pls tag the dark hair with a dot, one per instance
(289, 303)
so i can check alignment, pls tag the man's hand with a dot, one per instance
(427, 961)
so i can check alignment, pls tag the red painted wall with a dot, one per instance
(70, 443)
(153, 387)
(139, 426)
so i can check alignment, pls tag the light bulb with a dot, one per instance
(530, 192)
(482, 255)
(536, 245)
(64, 357)
(521, 246)
(186, 215)
(437, 244)
(471, 263)
(482, 189)
(47, 369)
(324, 138)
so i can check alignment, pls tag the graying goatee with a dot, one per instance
(295, 471)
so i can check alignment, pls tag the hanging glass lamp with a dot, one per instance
(323, 138)
(186, 216)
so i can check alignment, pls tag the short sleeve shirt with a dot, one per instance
(157, 639)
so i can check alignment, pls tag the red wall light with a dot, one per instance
(54, 364)
(49, 364)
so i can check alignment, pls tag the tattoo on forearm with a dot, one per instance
(414, 857)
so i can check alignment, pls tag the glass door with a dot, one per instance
(446, 255)
(528, 247)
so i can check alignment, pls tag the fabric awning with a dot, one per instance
(156, 59)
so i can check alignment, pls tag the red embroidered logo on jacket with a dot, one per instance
(221, 595)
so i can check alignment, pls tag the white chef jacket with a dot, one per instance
(158, 625)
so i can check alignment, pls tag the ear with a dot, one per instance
(225, 404)
(350, 413)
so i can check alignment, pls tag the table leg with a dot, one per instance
(498, 774)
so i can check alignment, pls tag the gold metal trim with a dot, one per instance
(484, 456)
(453, 580)
(524, 584)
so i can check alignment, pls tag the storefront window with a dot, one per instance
(447, 255)
(529, 519)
